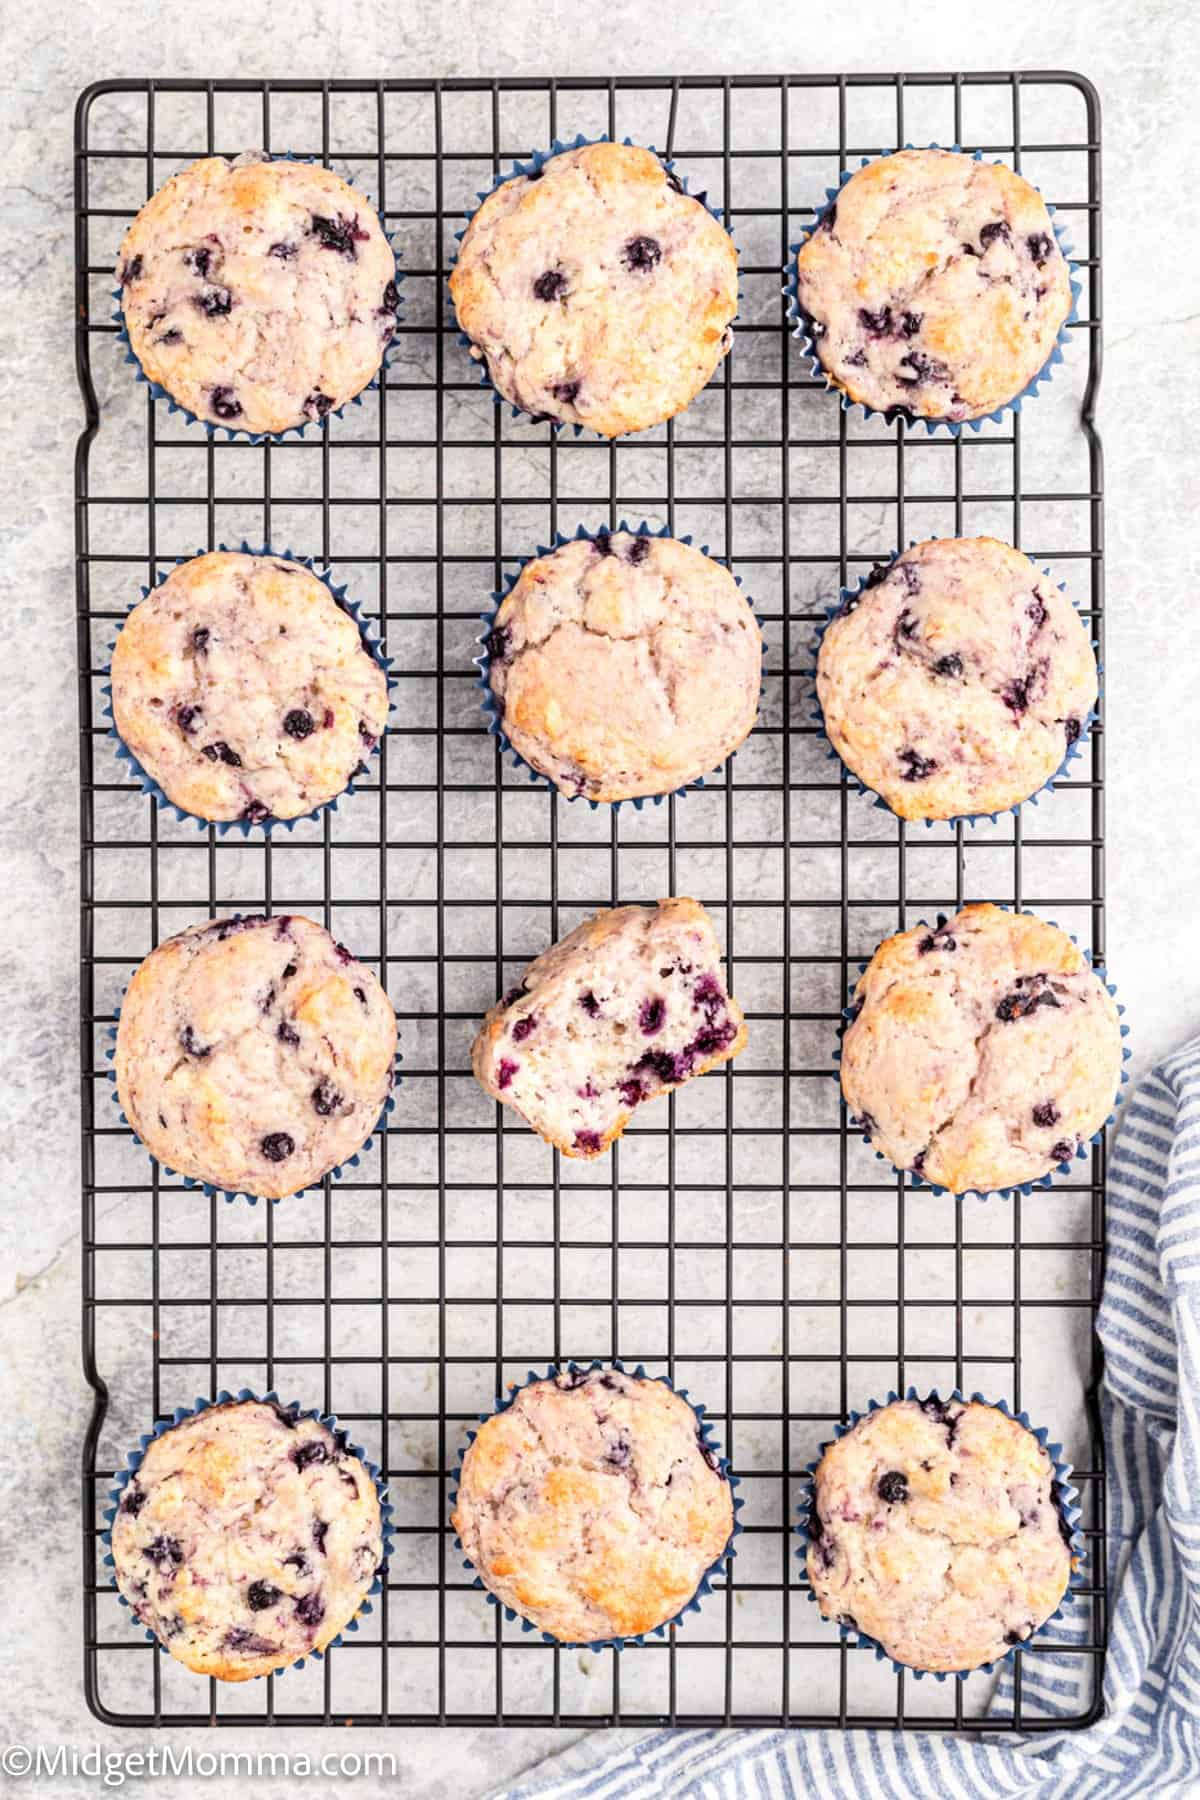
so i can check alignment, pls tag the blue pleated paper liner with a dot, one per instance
(1066, 1499)
(802, 324)
(493, 707)
(231, 1194)
(213, 426)
(538, 160)
(133, 1462)
(372, 642)
(848, 594)
(850, 1013)
(719, 1567)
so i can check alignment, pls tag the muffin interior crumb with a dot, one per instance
(629, 1006)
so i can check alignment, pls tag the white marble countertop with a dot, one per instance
(1141, 59)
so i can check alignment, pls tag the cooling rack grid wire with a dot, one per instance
(739, 1237)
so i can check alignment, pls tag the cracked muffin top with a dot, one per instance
(244, 690)
(937, 1531)
(592, 1505)
(597, 292)
(934, 284)
(247, 1538)
(983, 1052)
(254, 1054)
(625, 666)
(260, 295)
(957, 680)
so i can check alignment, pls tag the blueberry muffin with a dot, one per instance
(937, 1529)
(260, 295)
(981, 1052)
(597, 292)
(254, 1054)
(623, 666)
(632, 1004)
(246, 1538)
(244, 690)
(592, 1505)
(957, 680)
(934, 285)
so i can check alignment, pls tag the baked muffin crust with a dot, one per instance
(244, 690)
(957, 680)
(254, 1054)
(261, 295)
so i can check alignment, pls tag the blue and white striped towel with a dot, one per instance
(1148, 1740)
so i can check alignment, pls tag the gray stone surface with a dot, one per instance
(1143, 61)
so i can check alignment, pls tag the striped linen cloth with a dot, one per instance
(1148, 1740)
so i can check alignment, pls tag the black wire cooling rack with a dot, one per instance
(739, 1237)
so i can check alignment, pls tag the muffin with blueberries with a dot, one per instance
(938, 1528)
(261, 295)
(596, 291)
(933, 285)
(247, 1537)
(593, 1506)
(957, 680)
(244, 690)
(630, 1005)
(254, 1054)
(623, 665)
(981, 1052)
